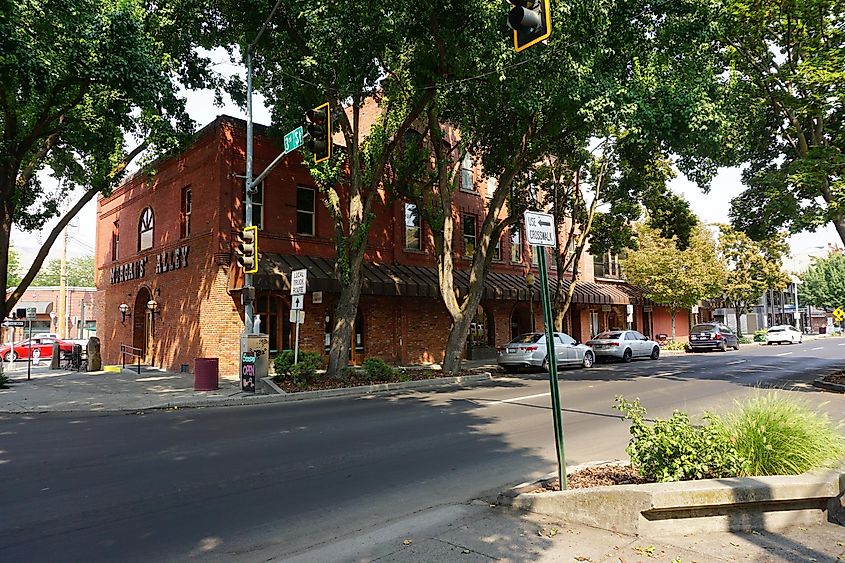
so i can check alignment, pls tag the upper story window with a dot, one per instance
(516, 246)
(469, 235)
(257, 205)
(570, 252)
(467, 180)
(492, 184)
(305, 207)
(145, 229)
(607, 266)
(115, 241)
(497, 250)
(185, 215)
(413, 240)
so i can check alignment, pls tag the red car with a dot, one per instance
(42, 347)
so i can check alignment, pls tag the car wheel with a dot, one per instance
(655, 352)
(588, 361)
(769, 343)
(723, 347)
(800, 340)
(545, 366)
(627, 355)
(11, 357)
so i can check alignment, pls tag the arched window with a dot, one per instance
(145, 229)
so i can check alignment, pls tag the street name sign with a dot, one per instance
(540, 229)
(296, 302)
(298, 280)
(293, 140)
(14, 323)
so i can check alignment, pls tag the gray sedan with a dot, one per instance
(624, 345)
(529, 350)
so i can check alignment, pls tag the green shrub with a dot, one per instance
(378, 369)
(675, 449)
(674, 345)
(780, 435)
(745, 340)
(303, 373)
(760, 335)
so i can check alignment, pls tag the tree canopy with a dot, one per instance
(675, 278)
(80, 82)
(80, 273)
(786, 63)
(823, 284)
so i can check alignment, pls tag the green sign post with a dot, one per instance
(540, 232)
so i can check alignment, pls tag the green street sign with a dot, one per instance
(293, 140)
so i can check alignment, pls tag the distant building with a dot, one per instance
(80, 321)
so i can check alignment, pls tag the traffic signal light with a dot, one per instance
(319, 125)
(247, 250)
(531, 22)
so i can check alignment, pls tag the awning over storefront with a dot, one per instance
(417, 281)
(41, 307)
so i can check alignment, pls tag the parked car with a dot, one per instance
(624, 345)
(712, 336)
(42, 347)
(782, 334)
(529, 350)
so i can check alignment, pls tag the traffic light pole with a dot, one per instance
(249, 306)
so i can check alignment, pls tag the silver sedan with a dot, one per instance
(529, 350)
(624, 345)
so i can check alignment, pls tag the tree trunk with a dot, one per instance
(5, 241)
(672, 311)
(344, 317)
(458, 333)
(738, 314)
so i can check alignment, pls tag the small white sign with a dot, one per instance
(317, 297)
(296, 302)
(630, 309)
(30, 313)
(298, 282)
(297, 316)
(540, 229)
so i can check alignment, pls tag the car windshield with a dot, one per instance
(698, 329)
(609, 335)
(777, 329)
(529, 338)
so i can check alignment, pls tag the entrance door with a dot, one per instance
(141, 322)
(357, 347)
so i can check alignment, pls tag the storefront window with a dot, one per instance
(267, 309)
(480, 330)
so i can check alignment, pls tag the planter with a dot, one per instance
(708, 505)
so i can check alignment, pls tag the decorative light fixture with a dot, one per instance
(152, 306)
(124, 310)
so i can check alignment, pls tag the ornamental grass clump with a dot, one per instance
(779, 435)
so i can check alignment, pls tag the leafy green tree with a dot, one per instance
(349, 54)
(785, 62)
(86, 86)
(823, 284)
(675, 278)
(80, 273)
(612, 81)
(13, 266)
(752, 269)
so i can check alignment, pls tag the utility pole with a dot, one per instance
(62, 328)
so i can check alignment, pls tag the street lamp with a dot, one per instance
(124, 311)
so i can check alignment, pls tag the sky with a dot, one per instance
(712, 207)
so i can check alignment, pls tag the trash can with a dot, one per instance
(822, 329)
(206, 374)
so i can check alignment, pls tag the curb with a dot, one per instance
(707, 505)
(827, 386)
(282, 397)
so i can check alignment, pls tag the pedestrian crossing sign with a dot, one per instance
(838, 314)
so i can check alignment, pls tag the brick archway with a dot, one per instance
(141, 321)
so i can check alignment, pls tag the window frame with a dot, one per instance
(312, 212)
(464, 217)
(516, 248)
(146, 226)
(115, 241)
(468, 174)
(418, 227)
(185, 214)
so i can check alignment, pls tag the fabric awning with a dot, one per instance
(419, 281)
(41, 307)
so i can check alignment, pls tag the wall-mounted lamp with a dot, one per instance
(124, 310)
(152, 306)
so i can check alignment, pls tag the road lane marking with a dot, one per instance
(736, 362)
(515, 399)
(784, 354)
(818, 348)
(840, 344)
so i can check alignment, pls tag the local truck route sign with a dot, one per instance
(540, 229)
(298, 282)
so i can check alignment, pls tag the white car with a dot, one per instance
(783, 334)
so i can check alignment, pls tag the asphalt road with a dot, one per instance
(269, 482)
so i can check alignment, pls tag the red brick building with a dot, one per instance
(165, 257)
(79, 304)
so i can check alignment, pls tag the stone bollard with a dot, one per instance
(95, 360)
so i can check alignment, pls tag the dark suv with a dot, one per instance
(712, 336)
